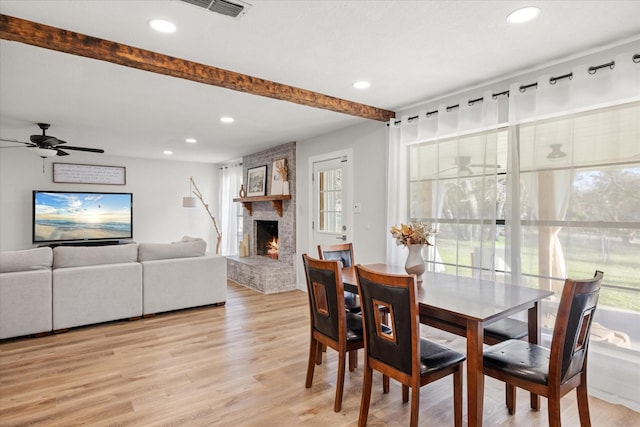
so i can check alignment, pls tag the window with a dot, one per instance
(330, 201)
(459, 184)
(580, 208)
(575, 208)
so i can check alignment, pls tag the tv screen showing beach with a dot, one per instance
(68, 216)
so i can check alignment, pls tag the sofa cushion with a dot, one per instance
(79, 256)
(182, 249)
(191, 239)
(27, 259)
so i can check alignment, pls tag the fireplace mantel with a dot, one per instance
(276, 202)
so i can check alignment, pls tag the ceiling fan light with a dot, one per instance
(43, 152)
(464, 171)
(556, 152)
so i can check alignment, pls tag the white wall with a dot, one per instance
(368, 142)
(157, 186)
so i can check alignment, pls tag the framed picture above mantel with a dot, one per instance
(72, 173)
(257, 181)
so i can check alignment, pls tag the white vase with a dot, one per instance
(285, 187)
(415, 262)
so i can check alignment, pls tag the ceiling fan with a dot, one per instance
(47, 146)
(463, 165)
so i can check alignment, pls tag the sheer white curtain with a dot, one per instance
(427, 162)
(230, 181)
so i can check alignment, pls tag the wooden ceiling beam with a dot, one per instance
(44, 36)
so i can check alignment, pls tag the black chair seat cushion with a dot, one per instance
(434, 356)
(354, 327)
(507, 329)
(519, 359)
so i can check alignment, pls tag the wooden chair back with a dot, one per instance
(324, 284)
(570, 340)
(342, 252)
(392, 347)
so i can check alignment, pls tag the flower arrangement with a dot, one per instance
(282, 169)
(416, 233)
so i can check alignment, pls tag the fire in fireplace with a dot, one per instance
(267, 238)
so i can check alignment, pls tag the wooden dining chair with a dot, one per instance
(342, 252)
(552, 372)
(331, 324)
(396, 348)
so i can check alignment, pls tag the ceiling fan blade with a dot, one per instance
(38, 139)
(51, 141)
(13, 140)
(91, 150)
(46, 140)
(449, 169)
(16, 141)
(485, 165)
(61, 153)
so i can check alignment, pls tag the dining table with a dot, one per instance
(464, 306)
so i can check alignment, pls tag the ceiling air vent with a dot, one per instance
(234, 9)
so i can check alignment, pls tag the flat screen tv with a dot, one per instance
(72, 216)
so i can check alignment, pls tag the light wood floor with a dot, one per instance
(241, 364)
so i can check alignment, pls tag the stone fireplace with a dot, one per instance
(268, 268)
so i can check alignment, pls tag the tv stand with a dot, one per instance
(88, 243)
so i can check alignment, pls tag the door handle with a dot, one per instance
(343, 238)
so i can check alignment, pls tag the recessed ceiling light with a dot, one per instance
(525, 14)
(191, 140)
(167, 152)
(361, 85)
(226, 119)
(162, 26)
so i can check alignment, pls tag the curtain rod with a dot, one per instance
(523, 88)
(230, 165)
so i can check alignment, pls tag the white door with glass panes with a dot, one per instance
(331, 221)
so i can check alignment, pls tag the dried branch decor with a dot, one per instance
(282, 170)
(198, 194)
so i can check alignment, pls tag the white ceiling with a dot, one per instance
(410, 51)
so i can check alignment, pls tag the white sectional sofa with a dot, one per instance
(25, 292)
(44, 290)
